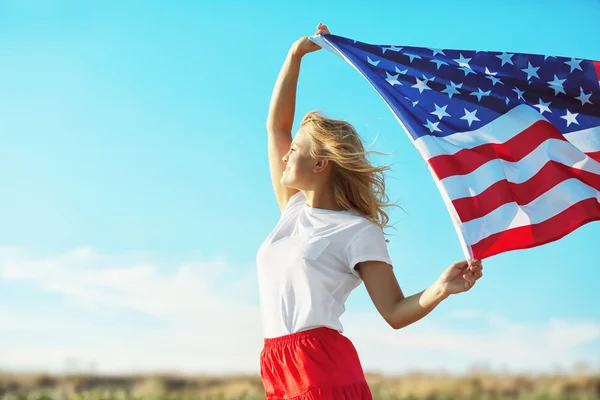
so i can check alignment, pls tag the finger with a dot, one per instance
(470, 277)
(468, 283)
(475, 264)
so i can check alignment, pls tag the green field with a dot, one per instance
(183, 387)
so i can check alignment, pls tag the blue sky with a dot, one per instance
(136, 186)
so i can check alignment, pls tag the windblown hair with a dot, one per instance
(357, 185)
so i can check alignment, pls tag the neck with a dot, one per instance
(321, 198)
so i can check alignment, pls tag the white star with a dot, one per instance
(463, 62)
(480, 93)
(543, 106)
(507, 100)
(401, 72)
(393, 79)
(451, 90)
(421, 85)
(495, 80)
(531, 71)
(391, 48)
(506, 58)
(488, 72)
(439, 63)
(470, 116)
(437, 51)
(372, 62)
(519, 93)
(440, 112)
(574, 64)
(557, 85)
(412, 56)
(570, 118)
(467, 70)
(432, 126)
(426, 79)
(545, 57)
(414, 103)
(584, 98)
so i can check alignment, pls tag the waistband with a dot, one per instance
(297, 336)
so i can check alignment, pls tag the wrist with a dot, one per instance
(440, 289)
(295, 53)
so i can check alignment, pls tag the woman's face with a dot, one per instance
(300, 166)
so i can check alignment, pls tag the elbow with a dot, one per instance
(395, 323)
(396, 326)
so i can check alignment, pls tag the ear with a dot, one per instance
(321, 165)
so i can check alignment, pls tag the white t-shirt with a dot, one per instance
(306, 266)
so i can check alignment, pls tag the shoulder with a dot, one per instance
(295, 203)
(297, 199)
(361, 225)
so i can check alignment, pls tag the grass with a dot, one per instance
(406, 387)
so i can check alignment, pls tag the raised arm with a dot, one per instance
(281, 113)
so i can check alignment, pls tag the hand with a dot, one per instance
(304, 45)
(460, 277)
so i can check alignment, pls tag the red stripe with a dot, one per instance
(547, 231)
(595, 155)
(597, 68)
(503, 192)
(468, 160)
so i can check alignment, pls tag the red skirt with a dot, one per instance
(314, 364)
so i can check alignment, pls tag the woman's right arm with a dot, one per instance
(281, 114)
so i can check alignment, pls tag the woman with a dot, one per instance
(328, 240)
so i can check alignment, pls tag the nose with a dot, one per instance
(285, 157)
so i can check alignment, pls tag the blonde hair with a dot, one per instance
(357, 185)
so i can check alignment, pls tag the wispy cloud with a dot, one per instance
(205, 324)
(206, 318)
(497, 342)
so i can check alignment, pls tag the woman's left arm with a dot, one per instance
(400, 311)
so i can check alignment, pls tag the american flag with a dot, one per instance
(512, 140)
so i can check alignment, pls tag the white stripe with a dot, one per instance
(472, 184)
(510, 215)
(321, 41)
(501, 130)
(586, 140)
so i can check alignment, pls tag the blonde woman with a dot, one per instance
(328, 240)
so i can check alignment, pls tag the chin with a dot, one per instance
(286, 183)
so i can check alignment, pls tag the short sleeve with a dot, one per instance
(368, 245)
(294, 204)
